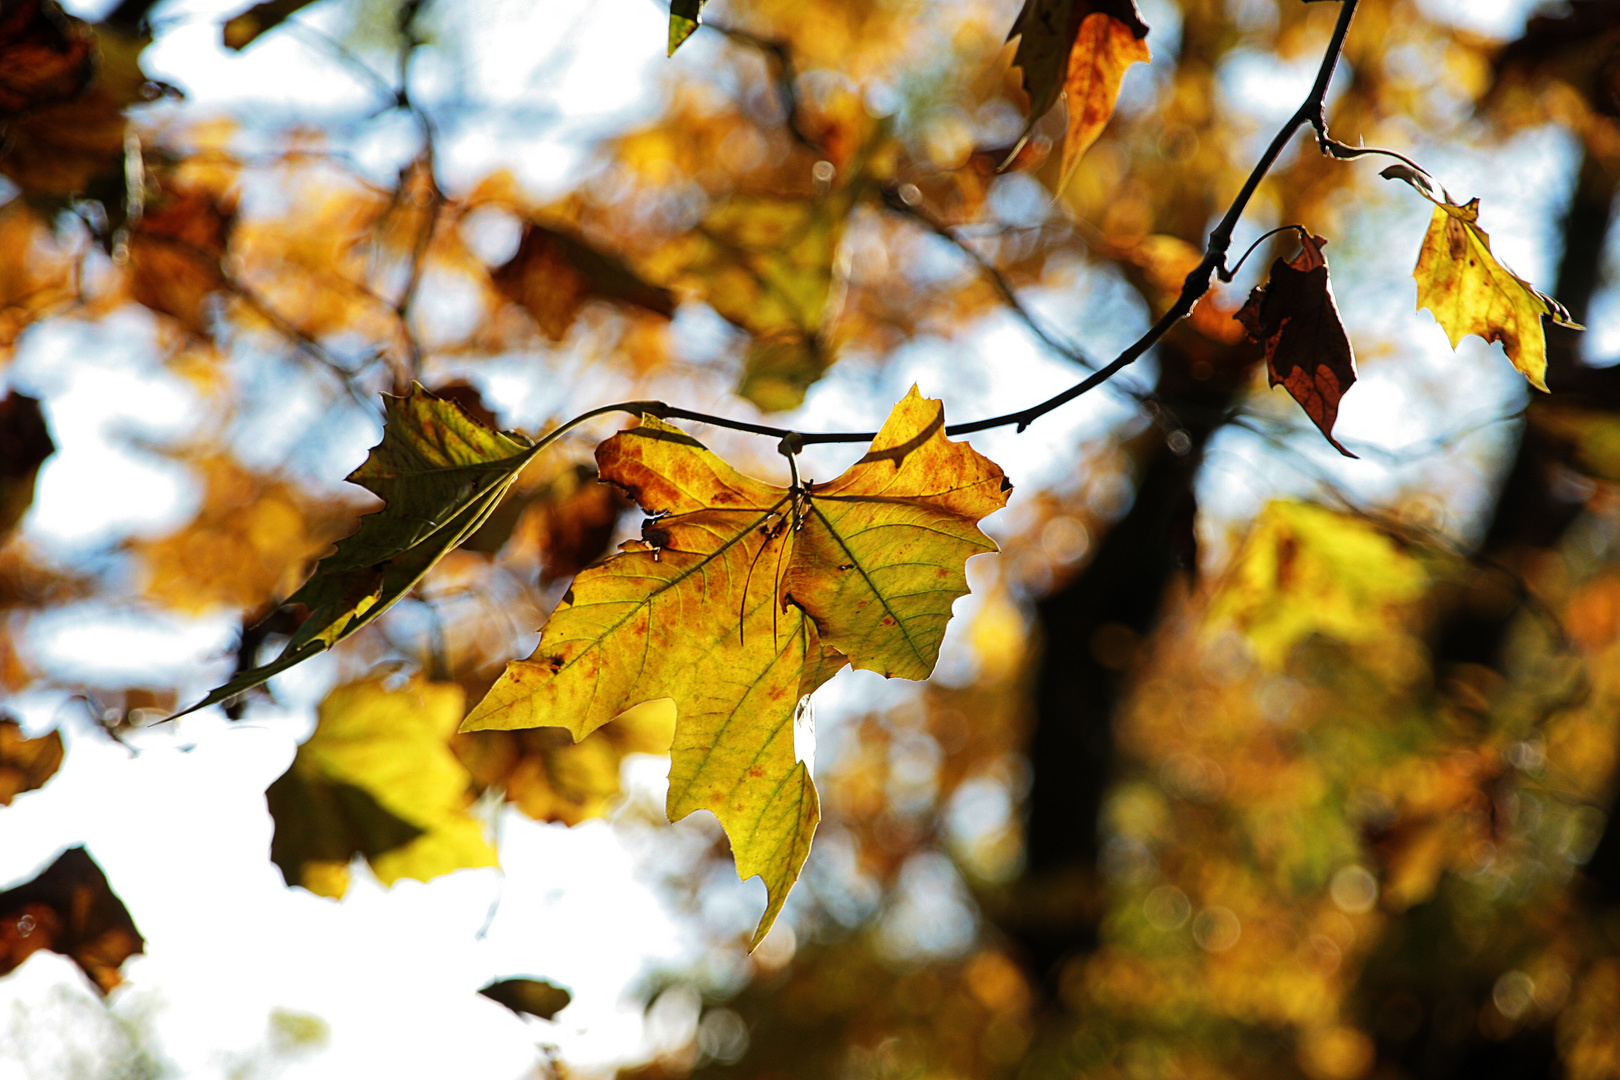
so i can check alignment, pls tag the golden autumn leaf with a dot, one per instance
(71, 909)
(377, 779)
(1307, 570)
(741, 599)
(1468, 289)
(440, 474)
(1296, 318)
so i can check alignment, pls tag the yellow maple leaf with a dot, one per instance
(1468, 289)
(741, 599)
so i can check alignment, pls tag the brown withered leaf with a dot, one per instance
(176, 249)
(1307, 351)
(533, 996)
(553, 274)
(25, 443)
(1048, 33)
(70, 909)
(25, 764)
(46, 56)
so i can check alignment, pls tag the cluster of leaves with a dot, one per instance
(705, 636)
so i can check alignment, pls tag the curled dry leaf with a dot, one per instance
(741, 599)
(440, 474)
(70, 909)
(1307, 351)
(1468, 289)
(377, 779)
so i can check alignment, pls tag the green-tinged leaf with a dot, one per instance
(880, 557)
(533, 996)
(768, 265)
(1468, 289)
(1306, 570)
(377, 779)
(684, 17)
(441, 474)
(730, 611)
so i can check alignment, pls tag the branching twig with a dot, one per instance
(1197, 282)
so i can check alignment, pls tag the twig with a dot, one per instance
(1195, 286)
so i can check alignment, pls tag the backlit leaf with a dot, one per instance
(1103, 49)
(1082, 47)
(1471, 292)
(736, 615)
(377, 779)
(70, 909)
(1307, 570)
(440, 474)
(1307, 351)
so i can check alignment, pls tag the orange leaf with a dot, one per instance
(1103, 48)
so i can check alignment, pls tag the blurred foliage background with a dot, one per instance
(1244, 761)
